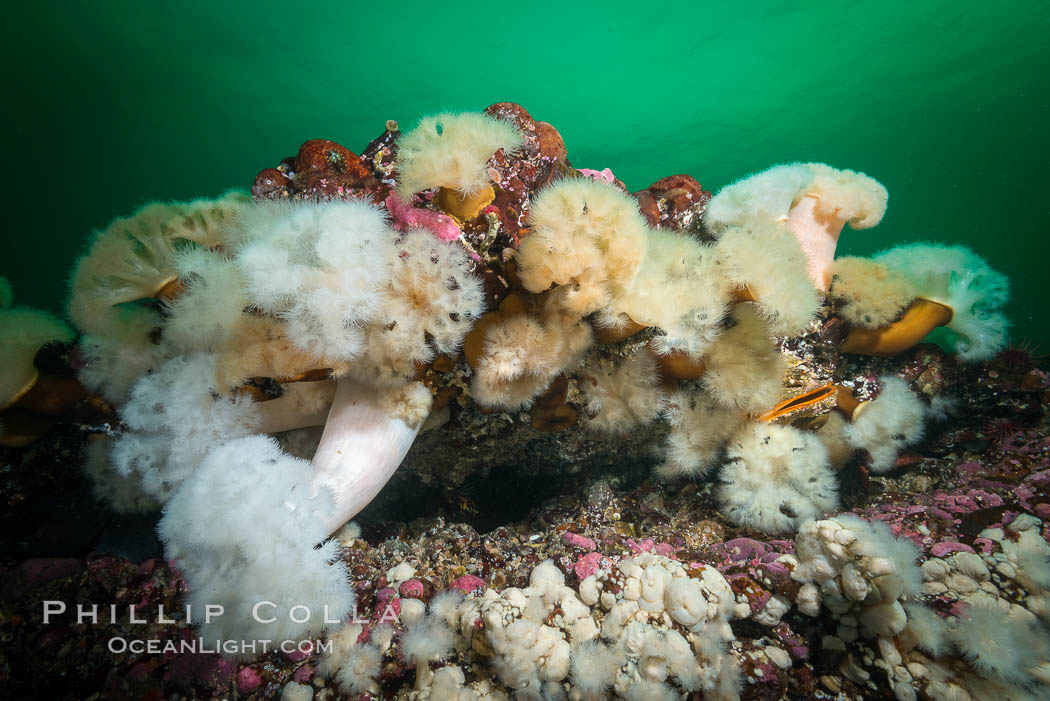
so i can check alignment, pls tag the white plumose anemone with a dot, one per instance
(776, 477)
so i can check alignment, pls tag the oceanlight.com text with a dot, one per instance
(119, 645)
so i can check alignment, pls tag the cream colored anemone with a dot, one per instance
(27, 398)
(953, 287)
(812, 200)
(133, 260)
(23, 332)
(819, 213)
(587, 237)
(451, 150)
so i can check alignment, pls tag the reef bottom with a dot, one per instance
(981, 477)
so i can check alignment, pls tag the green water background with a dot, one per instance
(112, 104)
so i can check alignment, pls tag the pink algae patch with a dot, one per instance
(468, 583)
(942, 549)
(578, 541)
(985, 545)
(404, 216)
(604, 175)
(248, 679)
(665, 549)
(587, 565)
(642, 546)
(411, 589)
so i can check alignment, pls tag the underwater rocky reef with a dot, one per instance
(454, 419)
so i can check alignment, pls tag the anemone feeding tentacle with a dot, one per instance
(450, 150)
(360, 449)
(866, 293)
(623, 328)
(893, 421)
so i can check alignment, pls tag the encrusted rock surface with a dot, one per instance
(465, 443)
(975, 490)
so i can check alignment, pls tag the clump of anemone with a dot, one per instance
(133, 259)
(368, 304)
(743, 369)
(427, 640)
(678, 289)
(895, 420)
(954, 288)
(353, 664)
(586, 236)
(430, 302)
(775, 477)
(767, 195)
(811, 200)
(594, 667)
(311, 314)
(998, 646)
(450, 151)
(518, 350)
(211, 305)
(29, 398)
(875, 539)
(926, 630)
(766, 259)
(362, 667)
(227, 562)
(319, 267)
(866, 293)
(250, 516)
(700, 428)
(346, 288)
(129, 271)
(174, 416)
(624, 394)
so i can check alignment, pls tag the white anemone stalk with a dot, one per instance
(360, 449)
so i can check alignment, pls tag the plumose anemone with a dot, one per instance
(273, 361)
